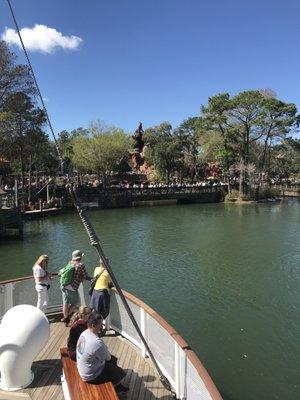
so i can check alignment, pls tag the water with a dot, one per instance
(225, 276)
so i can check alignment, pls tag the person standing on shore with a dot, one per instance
(70, 278)
(41, 277)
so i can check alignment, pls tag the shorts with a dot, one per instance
(70, 297)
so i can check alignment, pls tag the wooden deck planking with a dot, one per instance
(137, 379)
(48, 365)
(126, 365)
(142, 379)
(133, 381)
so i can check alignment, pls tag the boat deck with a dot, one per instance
(141, 377)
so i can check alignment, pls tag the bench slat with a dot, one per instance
(80, 390)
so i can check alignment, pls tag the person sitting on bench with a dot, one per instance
(78, 325)
(95, 364)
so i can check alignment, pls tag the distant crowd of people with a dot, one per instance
(208, 183)
(92, 181)
(95, 363)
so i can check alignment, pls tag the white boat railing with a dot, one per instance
(177, 361)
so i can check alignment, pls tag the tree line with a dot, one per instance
(247, 137)
(23, 141)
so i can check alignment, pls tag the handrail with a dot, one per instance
(191, 355)
(23, 278)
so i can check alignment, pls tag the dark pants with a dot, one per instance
(111, 373)
(100, 302)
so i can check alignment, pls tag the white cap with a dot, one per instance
(76, 255)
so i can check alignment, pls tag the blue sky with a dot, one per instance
(159, 60)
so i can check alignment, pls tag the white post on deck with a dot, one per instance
(177, 369)
(107, 322)
(8, 296)
(143, 330)
(81, 295)
(182, 374)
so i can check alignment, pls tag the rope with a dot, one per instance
(96, 243)
(46, 184)
(37, 86)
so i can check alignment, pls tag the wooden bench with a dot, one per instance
(80, 390)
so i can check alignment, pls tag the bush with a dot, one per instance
(266, 192)
(232, 196)
(261, 193)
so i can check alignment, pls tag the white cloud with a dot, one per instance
(41, 38)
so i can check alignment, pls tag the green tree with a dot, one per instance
(22, 135)
(246, 119)
(285, 160)
(65, 145)
(259, 118)
(163, 150)
(101, 151)
(279, 118)
(221, 135)
(248, 122)
(38, 152)
(189, 133)
(13, 77)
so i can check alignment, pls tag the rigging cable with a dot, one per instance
(90, 230)
(46, 184)
(37, 87)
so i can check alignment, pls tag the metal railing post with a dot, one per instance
(107, 322)
(177, 369)
(143, 330)
(8, 296)
(183, 376)
(81, 295)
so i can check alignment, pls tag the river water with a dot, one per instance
(226, 276)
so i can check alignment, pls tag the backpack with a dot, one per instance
(67, 274)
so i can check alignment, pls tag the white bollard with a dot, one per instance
(24, 331)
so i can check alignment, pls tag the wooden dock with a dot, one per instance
(141, 377)
(46, 212)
